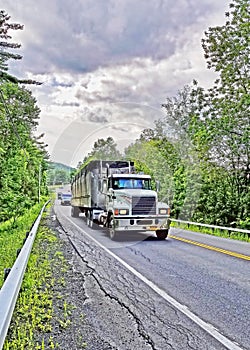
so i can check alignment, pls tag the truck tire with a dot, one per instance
(161, 234)
(75, 212)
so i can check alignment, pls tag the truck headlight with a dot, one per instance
(121, 211)
(164, 211)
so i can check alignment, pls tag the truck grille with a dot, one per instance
(143, 206)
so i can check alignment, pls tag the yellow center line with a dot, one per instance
(228, 252)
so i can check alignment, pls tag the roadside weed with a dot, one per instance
(34, 318)
(12, 239)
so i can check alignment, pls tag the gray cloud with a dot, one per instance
(67, 104)
(95, 115)
(99, 119)
(109, 64)
(80, 36)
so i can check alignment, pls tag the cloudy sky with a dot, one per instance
(108, 65)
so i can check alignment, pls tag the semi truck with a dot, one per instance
(112, 195)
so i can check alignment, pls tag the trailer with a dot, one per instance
(111, 194)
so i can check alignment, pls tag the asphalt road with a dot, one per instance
(172, 294)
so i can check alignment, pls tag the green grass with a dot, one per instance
(12, 238)
(42, 309)
(215, 232)
(34, 316)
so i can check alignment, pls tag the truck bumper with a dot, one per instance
(152, 223)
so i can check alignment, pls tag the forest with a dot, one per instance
(203, 166)
(23, 157)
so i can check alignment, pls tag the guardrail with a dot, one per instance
(10, 289)
(213, 227)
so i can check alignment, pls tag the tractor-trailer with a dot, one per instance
(113, 195)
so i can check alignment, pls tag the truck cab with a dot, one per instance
(132, 205)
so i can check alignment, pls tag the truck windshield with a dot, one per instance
(66, 196)
(121, 183)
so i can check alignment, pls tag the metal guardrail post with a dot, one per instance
(10, 289)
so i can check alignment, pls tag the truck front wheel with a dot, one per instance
(161, 234)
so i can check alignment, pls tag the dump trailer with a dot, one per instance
(113, 195)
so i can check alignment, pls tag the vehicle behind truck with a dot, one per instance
(113, 195)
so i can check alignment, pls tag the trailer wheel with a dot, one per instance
(112, 232)
(161, 234)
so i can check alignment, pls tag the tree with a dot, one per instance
(185, 129)
(5, 45)
(155, 154)
(104, 149)
(216, 123)
(5, 56)
(227, 51)
(22, 156)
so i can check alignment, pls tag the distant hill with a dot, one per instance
(59, 173)
(55, 165)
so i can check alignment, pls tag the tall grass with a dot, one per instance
(42, 309)
(12, 238)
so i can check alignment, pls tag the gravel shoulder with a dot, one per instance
(86, 315)
(77, 332)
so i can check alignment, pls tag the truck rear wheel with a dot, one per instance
(161, 234)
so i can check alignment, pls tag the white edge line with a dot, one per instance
(182, 308)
